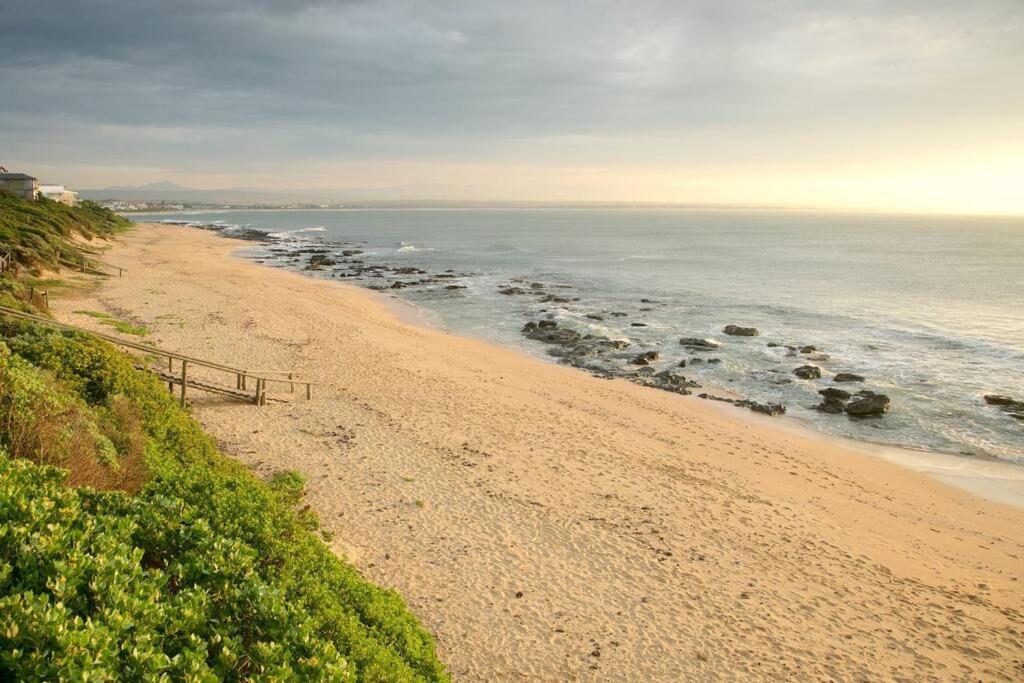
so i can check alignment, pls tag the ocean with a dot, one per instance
(930, 310)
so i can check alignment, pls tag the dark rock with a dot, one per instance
(1003, 401)
(810, 348)
(764, 408)
(847, 377)
(739, 331)
(833, 406)
(682, 363)
(645, 358)
(772, 345)
(559, 336)
(648, 301)
(1009, 405)
(833, 392)
(455, 287)
(868, 403)
(508, 291)
(664, 380)
(808, 372)
(595, 316)
(714, 361)
(638, 324)
(619, 314)
(698, 343)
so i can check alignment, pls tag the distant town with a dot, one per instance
(158, 206)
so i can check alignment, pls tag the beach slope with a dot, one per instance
(547, 525)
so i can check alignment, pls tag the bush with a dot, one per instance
(206, 573)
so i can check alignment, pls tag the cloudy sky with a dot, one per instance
(901, 104)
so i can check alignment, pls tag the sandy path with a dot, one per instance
(547, 525)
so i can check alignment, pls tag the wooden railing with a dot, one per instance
(5, 262)
(181, 377)
(89, 266)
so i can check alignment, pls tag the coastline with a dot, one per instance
(986, 477)
(534, 515)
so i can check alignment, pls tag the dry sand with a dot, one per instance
(547, 525)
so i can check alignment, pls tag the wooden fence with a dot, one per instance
(180, 376)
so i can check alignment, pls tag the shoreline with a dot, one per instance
(548, 525)
(924, 417)
(988, 477)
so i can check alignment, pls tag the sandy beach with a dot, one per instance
(548, 525)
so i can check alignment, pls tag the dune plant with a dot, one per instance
(197, 570)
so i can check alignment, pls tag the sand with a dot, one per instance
(547, 525)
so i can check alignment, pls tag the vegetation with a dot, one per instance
(131, 549)
(39, 234)
(119, 325)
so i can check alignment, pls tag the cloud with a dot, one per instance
(190, 82)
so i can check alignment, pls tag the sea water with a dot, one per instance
(929, 309)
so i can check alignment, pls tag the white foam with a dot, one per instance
(288, 233)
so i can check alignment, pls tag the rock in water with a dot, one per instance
(1004, 401)
(833, 406)
(847, 377)
(645, 358)
(738, 331)
(1007, 404)
(808, 372)
(868, 403)
(698, 343)
(832, 392)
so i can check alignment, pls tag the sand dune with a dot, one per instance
(547, 525)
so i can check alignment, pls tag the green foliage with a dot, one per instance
(39, 234)
(119, 325)
(206, 573)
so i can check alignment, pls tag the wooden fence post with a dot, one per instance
(184, 381)
(291, 385)
(309, 391)
(46, 299)
(170, 370)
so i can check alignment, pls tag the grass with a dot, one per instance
(40, 234)
(119, 325)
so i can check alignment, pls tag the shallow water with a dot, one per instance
(929, 309)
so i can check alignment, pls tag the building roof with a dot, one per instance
(15, 176)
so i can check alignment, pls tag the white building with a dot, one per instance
(59, 193)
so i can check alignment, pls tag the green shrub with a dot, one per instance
(206, 573)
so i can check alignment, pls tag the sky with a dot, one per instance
(909, 105)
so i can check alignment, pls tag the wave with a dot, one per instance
(409, 246)
(289, 233)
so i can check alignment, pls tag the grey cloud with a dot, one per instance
(377, 79)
